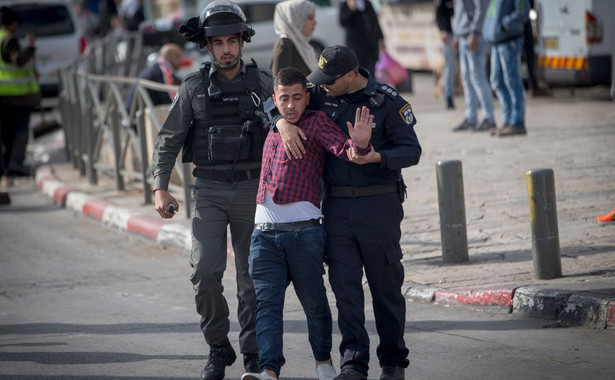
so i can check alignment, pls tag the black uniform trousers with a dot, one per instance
(363, 233)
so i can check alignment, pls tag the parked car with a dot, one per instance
(59, 38)
(259, 14)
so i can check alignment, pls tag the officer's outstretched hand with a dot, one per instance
(361, 132)
(291, 137)
(162, 200)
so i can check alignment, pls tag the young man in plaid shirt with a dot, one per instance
(288, 240)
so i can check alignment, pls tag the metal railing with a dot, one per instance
(96, 119)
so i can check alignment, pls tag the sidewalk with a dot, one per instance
(573, 135)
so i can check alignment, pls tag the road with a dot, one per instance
(78, 301)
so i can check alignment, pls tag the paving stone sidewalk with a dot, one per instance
(572, 135)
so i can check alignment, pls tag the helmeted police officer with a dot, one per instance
(217, 118)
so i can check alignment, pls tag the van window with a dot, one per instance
(43, 20)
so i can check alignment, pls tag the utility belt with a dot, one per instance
(226, 176)
(363, 191)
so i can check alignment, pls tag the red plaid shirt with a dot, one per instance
(291, 181)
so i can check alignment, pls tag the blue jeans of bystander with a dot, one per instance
(450, 68)
(507, 82)
(476, 88)
(277, 259)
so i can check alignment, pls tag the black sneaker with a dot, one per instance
(511, 131)
(251, 363)
(350, 374)
(220, 356)
(391, 372)
(450, 105)
(464, 126)
(485, 126)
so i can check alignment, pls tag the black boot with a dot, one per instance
(220, 356)
(450, 105)
(251, 363)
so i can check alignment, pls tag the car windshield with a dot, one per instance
(43, 20)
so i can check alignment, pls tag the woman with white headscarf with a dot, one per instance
(294, 21)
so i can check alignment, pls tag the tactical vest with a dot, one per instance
(14, 80)
(232, 131)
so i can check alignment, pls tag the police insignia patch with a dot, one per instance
(321, 62)
(406, 114)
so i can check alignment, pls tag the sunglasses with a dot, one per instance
(332, 81)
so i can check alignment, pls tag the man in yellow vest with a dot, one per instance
(19, 95)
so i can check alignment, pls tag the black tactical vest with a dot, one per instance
(231, 132)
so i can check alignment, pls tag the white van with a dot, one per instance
(576, 41)
(411, 34)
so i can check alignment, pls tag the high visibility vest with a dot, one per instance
(16, 81)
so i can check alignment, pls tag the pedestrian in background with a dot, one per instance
(363, 210)
(363, 33)
(19, 95)
(216, 120)
(294, 22)
(444, 13)
(288, 242)
(503, 28)
(467, 27)
(170, 57)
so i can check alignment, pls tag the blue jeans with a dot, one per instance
(277, 259)
(476, 88)
(507, 82)
(450, 67)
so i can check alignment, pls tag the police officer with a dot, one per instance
(19, 95)
(216, 117)
(363, 211)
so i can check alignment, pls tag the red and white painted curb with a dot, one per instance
(164, 233)
(574, 308)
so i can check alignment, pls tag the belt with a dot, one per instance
(229, 176)
(287, 227)
(353, 191)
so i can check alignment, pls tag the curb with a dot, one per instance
(567, 307)
(578, 309)
(110, 215)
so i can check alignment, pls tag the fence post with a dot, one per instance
(543, 218)
(117, 149)
(147, 188)
(452, 212)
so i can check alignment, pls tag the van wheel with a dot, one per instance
(406, 86)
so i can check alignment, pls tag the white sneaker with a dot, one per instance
(325, 372)
(257, 376)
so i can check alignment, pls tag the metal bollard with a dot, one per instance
(452, 212)
(543, 217)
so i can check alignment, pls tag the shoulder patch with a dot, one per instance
(406, 114)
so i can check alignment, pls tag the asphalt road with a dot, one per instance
(78, 301)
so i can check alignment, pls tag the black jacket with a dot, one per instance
(444, 13)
